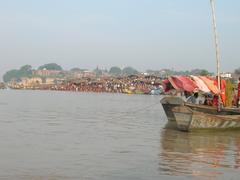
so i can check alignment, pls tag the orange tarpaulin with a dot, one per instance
(210, 84)
(223, 89)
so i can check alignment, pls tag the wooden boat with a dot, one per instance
(191, 117)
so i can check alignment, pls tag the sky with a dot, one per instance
(144, 34)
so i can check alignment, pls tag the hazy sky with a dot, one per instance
(145, 34)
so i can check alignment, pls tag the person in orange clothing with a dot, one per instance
(238, 94)
(222, 90)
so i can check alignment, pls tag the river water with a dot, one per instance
(66, 135)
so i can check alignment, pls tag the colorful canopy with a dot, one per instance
(183, 83)
(210, 84)
(201, 85)
(192, 84)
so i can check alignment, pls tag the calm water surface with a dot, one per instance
(63, 135)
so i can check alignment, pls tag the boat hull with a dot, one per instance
(188, 119)
(191, 117)
(168, 104)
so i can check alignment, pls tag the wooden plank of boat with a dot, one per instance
(183, 116)
(168, 103)
(188, 119)
(213, 110)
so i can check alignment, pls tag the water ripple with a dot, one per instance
(54, 135)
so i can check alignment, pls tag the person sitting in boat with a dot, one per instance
(193, 99)
(208, 99)
(186, 95)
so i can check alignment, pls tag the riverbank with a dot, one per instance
(129, 85)
(2, 85)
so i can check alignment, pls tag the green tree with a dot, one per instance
(24, 71)
(129, 71)
(115, 71)
(77, 70)
(237, 71)
(9, 75)
(26, 68)
(51, 66)
(204, 72)
(199, 72)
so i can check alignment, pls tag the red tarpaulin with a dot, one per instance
(183, 83)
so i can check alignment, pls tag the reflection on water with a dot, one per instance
(199, 154)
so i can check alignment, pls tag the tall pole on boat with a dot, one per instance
(217, 51)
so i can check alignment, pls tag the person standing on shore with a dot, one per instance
(238, 99)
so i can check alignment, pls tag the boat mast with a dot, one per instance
(217, 50)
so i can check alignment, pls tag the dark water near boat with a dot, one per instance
(62, 135)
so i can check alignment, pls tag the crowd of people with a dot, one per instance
(214, 99)
(145, 85)
(129, 85)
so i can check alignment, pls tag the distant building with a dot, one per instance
(46, 73)
(27, 82)
(145, 74)
(89, 74)
(77, 75)
(226, 75)
(50, 81)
